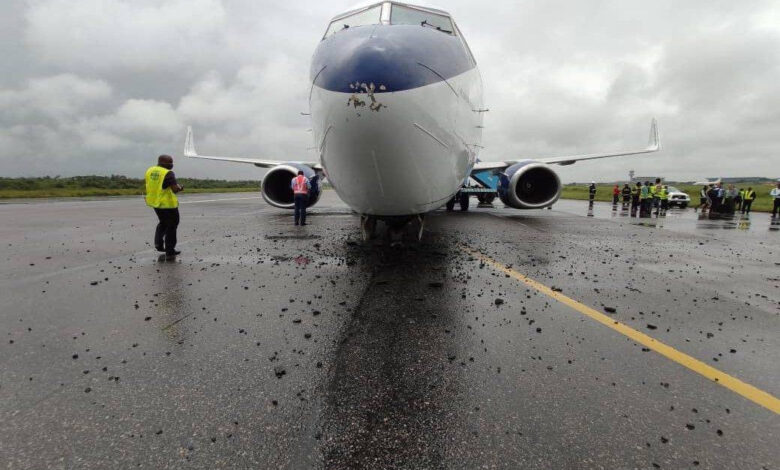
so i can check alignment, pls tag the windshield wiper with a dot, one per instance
(438, 28)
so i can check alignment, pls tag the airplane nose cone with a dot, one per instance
(384, 118)
(393, 57)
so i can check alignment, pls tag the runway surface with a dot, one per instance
(506, 339)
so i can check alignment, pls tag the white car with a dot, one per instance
(678, 198)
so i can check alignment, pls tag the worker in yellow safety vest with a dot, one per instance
(655, 192)
(747, 200)
(663, 195)
(161, 189)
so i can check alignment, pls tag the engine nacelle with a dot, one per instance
(529, 185)
(276, 185)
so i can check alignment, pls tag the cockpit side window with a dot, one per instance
(465, 45)
(406, 15)
(363, 18)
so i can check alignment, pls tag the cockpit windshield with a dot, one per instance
(363, 18)
(406, 15)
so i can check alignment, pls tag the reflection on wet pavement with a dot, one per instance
(268, 346)
(675, 218)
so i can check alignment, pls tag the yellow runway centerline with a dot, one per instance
(748, 391)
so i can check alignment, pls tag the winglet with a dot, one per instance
(655, 141)
(189, 144)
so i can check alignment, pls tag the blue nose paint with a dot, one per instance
(392, 57)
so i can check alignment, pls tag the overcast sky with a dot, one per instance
(104, 86)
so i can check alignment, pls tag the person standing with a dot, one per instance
(592, 191)
(729, 204)
(615, 195)
(775, 193)
(703, 199)
(655, 192)
(716, 198)
(645, 200)
(626, 193)
(739, 199)
(161, 189)
(664, 197)
(635, 194)
(748, 199)
(300, 186)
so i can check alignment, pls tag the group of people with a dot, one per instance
(161, 190)
(719, 200)
(643, 197)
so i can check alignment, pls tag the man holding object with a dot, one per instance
(161, 189)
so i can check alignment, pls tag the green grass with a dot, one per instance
(763, 202)
(96, 192)
(114, 185)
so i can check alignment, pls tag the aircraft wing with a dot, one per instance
(653, 146)
(189, 152)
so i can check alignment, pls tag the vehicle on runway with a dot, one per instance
(678, 198)
(397, 115)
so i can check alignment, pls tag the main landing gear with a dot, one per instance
(462, 199)
(396, 227)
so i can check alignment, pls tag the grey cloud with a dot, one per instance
(105, 85)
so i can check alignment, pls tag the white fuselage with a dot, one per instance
(403, 152)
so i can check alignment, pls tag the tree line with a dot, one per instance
(111, 182)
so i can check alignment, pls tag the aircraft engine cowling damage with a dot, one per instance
(529, 185)
(276, 188)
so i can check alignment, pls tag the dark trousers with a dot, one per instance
(776, 207)
(614, 199)
(645, 207)
(746, 206)
(301, 201)
(165, 234)
(728, 206)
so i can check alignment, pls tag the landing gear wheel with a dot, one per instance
(395, 235)
(451, 204)
(463, 200)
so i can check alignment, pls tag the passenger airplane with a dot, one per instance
(396, 106)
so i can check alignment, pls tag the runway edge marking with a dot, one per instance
(746, 390)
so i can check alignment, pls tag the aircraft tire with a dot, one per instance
(464, 202)
(451, 205)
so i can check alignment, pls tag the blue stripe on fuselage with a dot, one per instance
(400, 57)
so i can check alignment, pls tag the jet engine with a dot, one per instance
(529, 185)
(276, 187)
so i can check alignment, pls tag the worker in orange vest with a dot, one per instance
(300, 186)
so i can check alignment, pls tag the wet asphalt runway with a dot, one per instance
(272, 346)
